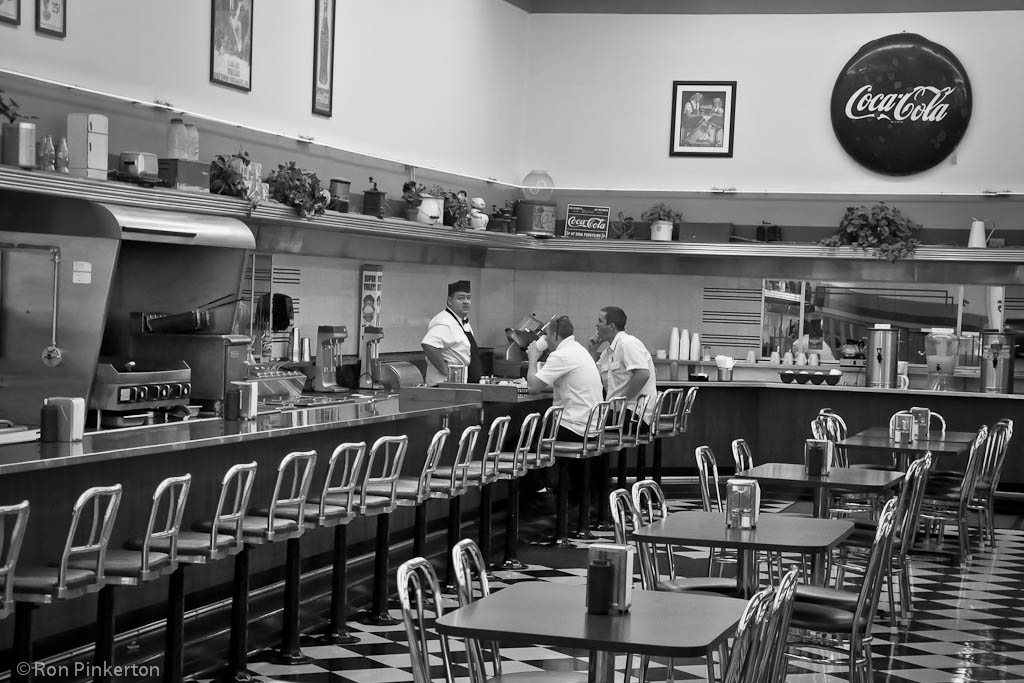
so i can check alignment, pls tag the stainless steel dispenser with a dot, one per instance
(881, 353)
(621, 559)
(742, 503)
(997, 349)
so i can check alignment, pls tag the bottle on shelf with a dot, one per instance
(61, 164)
(177, 140)
(47, 156)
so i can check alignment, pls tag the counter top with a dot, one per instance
(665, 384)
(179, 436)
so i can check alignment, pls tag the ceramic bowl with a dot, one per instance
(818, 378)
(833, 380)
(803, 377)
(787, 376)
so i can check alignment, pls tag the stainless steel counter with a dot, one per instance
(793, 386)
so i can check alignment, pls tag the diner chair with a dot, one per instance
(512, 466)
(194, 547)
(996, 447)
(828, 426)
(36, 585)
(741, 455)
(853, 551)
(334, 508)
(673, 422)
(749, 644)
(934, 417)
(772, 658)
(13, 520)
(840, 621)
(611, 442)
(584, 451)
(471, 585)
(666, 405)
(450, 483)
(630, 437)
(130, 567)
(263, 526)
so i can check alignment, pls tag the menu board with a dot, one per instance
(587, 221)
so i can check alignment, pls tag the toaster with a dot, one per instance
(138, 165)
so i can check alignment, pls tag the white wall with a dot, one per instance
(600, 99)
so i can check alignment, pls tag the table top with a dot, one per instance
(845, 477)
(877, 438)
(773, 532)
(659, 623)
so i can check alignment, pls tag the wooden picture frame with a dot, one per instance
(703, 118)
(10, 12)
(52, 17)
(323, 57)
(231, 43)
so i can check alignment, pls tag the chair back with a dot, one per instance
(649, 429)
(615, 428)
(420, 596)
(972, 471)
(707, 468)
(548, 435)
(98, 507)
(341, 490)
(593, 435)
(13, 520)
(430, 463)
(875, 573)
(383, 466)
(996, 446)
(492, 450)
(911, 499)
(747, 645)
(468, 562)
(742, 455)
(165, 518)
(235, 489)
(831, 427)
(625, 519)
(683, 422)
(463, 456)
(521, 453)
(935, 417)
(773, 653)
(631, 428)
(666, 422)
(291, 490)
(649, 502)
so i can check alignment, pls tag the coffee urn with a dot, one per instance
(881, 353)
(997, 350)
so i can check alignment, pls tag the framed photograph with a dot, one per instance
(323, 57)
(10, 12)
(703, 116)
(51, 17)
(231, 44)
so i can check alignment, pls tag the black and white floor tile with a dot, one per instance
(967, 626)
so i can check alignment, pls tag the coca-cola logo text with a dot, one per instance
(923, 103)
(582, 222)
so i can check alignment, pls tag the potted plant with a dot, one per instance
(882, 229)
(412, 195)
(456, 207)
(662, 218)
(299, 189)
(19, 135)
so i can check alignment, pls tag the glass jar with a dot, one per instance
(192, 141)
(177, 140)
(940, 347)
(538, 186)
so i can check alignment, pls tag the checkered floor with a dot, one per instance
(968, 625)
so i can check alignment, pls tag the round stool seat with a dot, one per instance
(126, 563)
(43, 580)
(406, 488)
(254, 528)
(189, 543)
(310, 512)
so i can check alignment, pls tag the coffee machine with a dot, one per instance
(369, 360)
(329, 339)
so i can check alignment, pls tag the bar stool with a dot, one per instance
(630, 436)
(291, 488)
(41, 585)
(451, 485)
(673, 423)
(665, 407)
(585, 450)
(512, 466)
(619, 434)
(13, 520)
(128, 567)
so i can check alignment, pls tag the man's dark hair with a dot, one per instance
(563, 327)
(616, 316)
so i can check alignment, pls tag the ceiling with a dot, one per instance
(760, 6)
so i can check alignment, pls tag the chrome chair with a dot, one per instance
(749, 645)
(589, 448)
(512, 466)
(741, 455)
(983, 505)
(13, 520)
(772, 658)
(828, 426)
(667, 405)
(450, 483)
(419, 594)
(841, 621)
(36, 585)
(611, 442)
(632, 422)
(673, 422)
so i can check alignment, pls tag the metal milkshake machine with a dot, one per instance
(369, 359)
(329, 339)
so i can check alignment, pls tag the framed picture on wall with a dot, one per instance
(10, 12)
(703, 117)
(231, 44)
(51, 17)
(323, 57)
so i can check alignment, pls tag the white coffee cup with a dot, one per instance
(751, 358)
(661, 354)
(541, 344)
(902, 382)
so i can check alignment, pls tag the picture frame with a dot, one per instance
(10, 12)
(323, 57)
(231, 43)
(703, 118)
(52, 17)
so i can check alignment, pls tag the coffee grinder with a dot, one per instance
(328, 357)
(369, 361)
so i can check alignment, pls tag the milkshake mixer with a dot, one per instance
(328, 357)
(369, 363)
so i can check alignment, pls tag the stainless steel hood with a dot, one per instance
(177, 227)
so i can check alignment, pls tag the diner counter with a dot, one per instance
(839, 387)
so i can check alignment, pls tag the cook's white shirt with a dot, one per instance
(444, 333)
(571, 373)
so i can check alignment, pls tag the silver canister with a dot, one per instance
(881, 355)
(295, 346)
(306, 352)
(621, 559)
(997, 351)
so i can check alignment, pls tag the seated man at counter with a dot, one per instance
(449, 338)
(626, 366)
(570, 372)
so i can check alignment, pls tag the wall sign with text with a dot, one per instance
(901, 104)
(587, 221)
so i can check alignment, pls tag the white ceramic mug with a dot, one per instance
(775, 358)
(662, 354)
(788, 358)
(751, 358)
(902, 382)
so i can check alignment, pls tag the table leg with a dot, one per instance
(746, 572)
(821, 502)
(818, 564)
(602, 666)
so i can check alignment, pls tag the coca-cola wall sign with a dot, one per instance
(901, 104)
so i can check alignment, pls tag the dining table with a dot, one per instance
(952, 443)
(845, 479)
(773, 532)
(657, 624)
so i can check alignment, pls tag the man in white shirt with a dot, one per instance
(570, 372)
(626, 366)
(449, 338)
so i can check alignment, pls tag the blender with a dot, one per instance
(940, 347)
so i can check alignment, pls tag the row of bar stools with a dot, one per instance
(512, 466)
(450, 483)
(585, 450)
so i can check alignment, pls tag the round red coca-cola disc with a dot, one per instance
(901, 104)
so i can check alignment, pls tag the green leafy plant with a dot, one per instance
(456, 206)
(412, 193)
(882, 229)
(299, 189)
(9, 109)
(226, 175)
(661, 212)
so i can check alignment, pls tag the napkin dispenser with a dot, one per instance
(742, 503)
(70, 417)
(621, 559)
(902, 429)
(818, 456)
(922, 423)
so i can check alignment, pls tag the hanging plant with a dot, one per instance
(882, 229)
(299, 189)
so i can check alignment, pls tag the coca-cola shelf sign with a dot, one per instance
(587, 221)
(901, 104)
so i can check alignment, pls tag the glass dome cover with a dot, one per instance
(538, 186)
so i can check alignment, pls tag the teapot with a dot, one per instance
(853, 348)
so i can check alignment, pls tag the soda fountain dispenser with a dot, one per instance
(940, 348)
